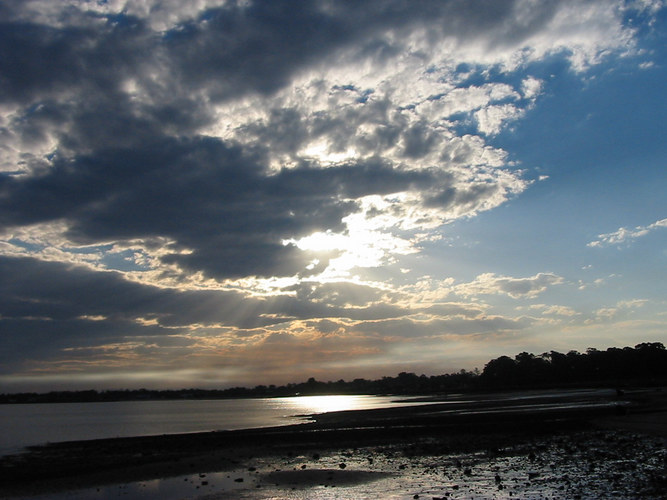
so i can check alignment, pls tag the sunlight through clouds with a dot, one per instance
(251, 189)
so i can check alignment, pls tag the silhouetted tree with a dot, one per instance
(501, 372)
(646, 363)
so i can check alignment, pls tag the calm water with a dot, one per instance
(30, 424)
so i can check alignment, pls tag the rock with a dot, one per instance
(342, 465)
(238, 480)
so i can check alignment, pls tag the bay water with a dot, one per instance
(33, 424)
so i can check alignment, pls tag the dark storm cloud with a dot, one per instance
(257, 47)
(56, 291)
(34, 339)
(212, 198)
(238, 46)
(47, 306)
(50, 291)
(133, 166)
(468, 196)
(37, 62)
(44, 308)
(234, 49)
(419, 140)
(287, 130)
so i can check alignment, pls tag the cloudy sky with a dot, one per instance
(211, 193)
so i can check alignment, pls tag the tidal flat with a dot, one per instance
(555, 450)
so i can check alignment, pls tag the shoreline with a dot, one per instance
(473, 426)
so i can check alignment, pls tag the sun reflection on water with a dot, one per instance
(305, 405)
(321, 404)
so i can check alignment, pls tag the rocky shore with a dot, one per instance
(544, 447)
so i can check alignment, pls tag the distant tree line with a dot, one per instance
(644, 364)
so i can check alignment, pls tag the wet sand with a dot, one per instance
(544, 447)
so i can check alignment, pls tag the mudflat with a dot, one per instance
(483, 447)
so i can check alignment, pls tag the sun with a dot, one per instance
(365, 243)
(321, 151)
(358, 249)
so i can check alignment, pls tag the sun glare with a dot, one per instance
(363, 245)
(357, 249)
(323, 404)
(324, 241)
(320, 151)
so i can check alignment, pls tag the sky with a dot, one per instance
(230, 193)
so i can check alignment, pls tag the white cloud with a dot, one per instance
(556, 310)
(491, 119)
(516, 288)
(623, 306)
(652, 6)
(161, 14)
(626, 236)
(531, 87)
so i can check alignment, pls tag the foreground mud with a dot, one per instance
(578, 465)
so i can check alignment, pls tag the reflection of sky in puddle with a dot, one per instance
(536, 408)
(181, 487)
